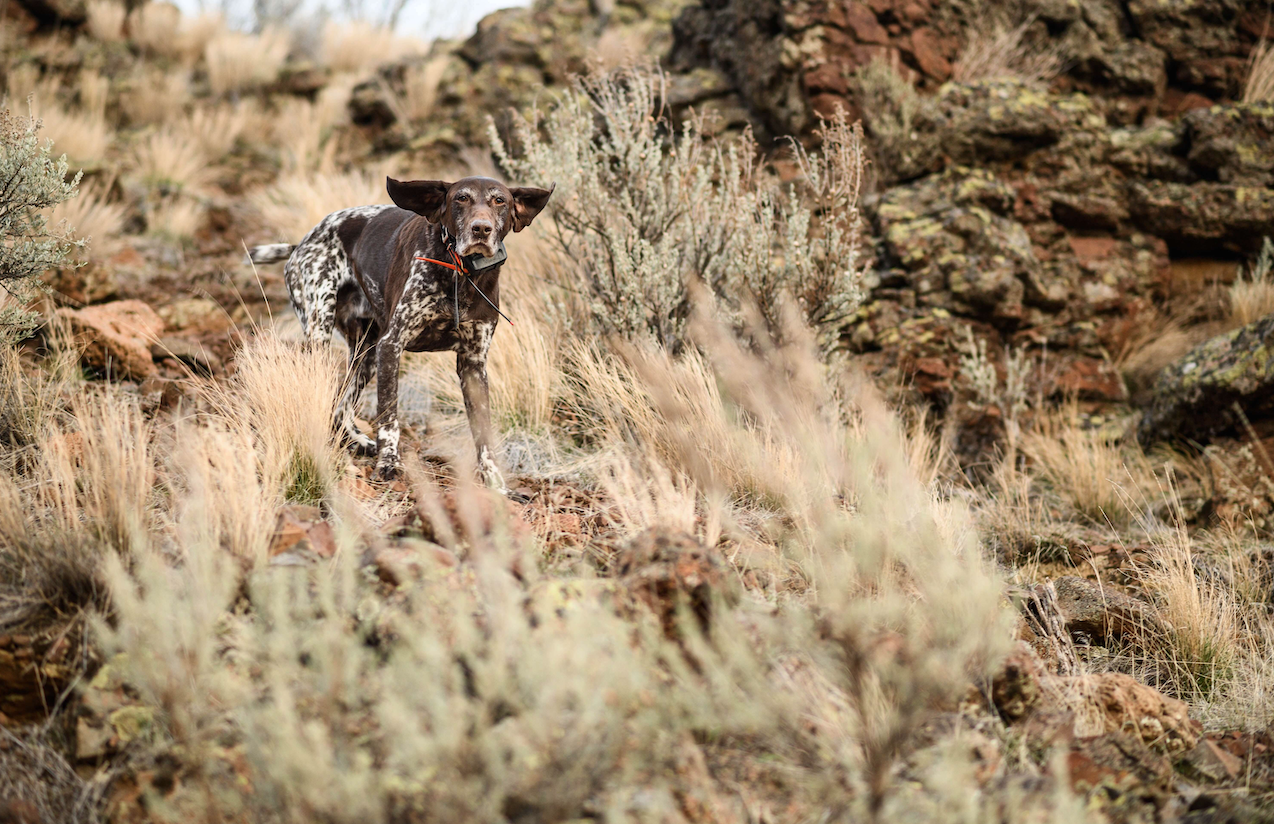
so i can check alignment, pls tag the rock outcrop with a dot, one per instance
(1200, 395)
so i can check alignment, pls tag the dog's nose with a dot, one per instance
(482, 229)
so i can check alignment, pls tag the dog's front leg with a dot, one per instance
(389, 351)
(472, 370)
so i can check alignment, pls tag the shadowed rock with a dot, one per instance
(1194, 399)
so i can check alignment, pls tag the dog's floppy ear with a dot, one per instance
(527, 203)
(424, 197)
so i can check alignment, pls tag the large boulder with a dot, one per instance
(1112, 702)
(115, 338)
(1199, 396)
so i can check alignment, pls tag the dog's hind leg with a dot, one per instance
(362, 365)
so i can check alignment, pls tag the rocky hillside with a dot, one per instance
(1058, 217)
(1067, 310)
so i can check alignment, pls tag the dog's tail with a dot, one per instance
(273, 253)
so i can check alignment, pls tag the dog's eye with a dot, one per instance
(462, 198)
(499, 199)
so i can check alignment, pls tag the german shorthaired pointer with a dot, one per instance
(424, 276)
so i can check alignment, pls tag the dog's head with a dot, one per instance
(477, 211)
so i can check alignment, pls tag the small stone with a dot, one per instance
(1213, 762)
(1104, 613)
(411, 560)
(195, 355)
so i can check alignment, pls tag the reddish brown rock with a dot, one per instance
(861, 20)
(115, 338)
(932, 376)
(1177, 102)
(17, 811)
(1018, 689)
(195, 315)
(302, 531)
(826, 78)
(460, 519)
(980, 433)
(927, 51)
(1123, 769)
(1091, 379)
(1092, 248)
(1112, 702)
(1213, 762)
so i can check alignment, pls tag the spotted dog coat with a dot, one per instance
(360, 271)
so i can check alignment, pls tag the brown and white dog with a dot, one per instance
(379, 275)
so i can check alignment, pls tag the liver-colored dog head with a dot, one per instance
(477, 211)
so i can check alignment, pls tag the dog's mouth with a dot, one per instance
(475, 247)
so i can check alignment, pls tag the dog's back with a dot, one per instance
(318, 269)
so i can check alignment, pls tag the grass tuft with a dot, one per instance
(998, 50)
(1259, 85)
(1252, 297)
(238, 62)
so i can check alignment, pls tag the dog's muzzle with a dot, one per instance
(477, 263)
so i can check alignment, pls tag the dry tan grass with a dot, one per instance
(304, 130)
(195, 35)
(295, 203)
(928, 451)
(93, 216)
(154, 28)
(21, 82)
(416, 101)
(170, 161)
(85, 137)
(892, 578)
(1159, 342)
(294, 442)
(218, 127)
(1097, 476)
(156, 97)
(1252, 297)
(997, 50)
(1015, 518)
(222, 500)
(238, 61)
(174, 216)
(1259, 86)
(358, 46)
(102, 475)
(31, 405)
(94, 92)
(674, 409)
(106, 20)
(1203, 644)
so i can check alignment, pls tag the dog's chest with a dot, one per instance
(446, 311)
(430, 321)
